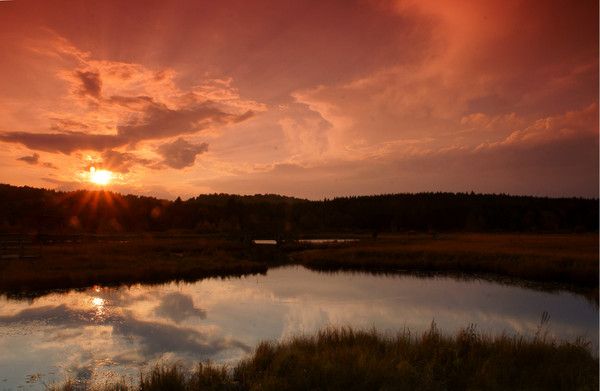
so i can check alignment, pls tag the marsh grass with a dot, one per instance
(138, 260)
(568, 260)
(346, 359)
(563, 259)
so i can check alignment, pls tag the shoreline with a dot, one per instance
(546, 262)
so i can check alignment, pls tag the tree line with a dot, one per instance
(34, 210)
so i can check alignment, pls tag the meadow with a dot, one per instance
(346, 359)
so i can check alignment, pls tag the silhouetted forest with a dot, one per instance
(33, 210)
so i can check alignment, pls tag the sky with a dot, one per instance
(311, 99)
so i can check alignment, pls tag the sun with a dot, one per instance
(100, 177)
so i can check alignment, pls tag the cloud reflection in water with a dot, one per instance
(104, 332)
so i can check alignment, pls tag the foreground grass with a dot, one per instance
(343, 359)
(568, 260)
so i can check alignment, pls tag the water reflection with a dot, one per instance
(326, 241)
(102, 333)
(265, 241)
(312, 241)
(178, 307)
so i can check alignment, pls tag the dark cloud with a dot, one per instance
(91, 84)
(139, 118)
(180, 153)
(33, 159)
(157, 122)
(178, 307)
(122, 161)
(66, 142)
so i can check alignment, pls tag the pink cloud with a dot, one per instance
(310, 98)
(572, 125)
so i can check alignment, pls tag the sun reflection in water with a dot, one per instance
(98, 302)
(99, 305)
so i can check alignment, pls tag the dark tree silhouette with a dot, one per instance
(31, 210)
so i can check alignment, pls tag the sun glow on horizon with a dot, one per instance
(100, 177)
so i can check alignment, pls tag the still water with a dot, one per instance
(312, 241)
(103, 333)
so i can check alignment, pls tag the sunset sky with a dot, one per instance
(305, 98)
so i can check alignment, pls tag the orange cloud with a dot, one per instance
(399, 95)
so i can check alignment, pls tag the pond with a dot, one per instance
(102, 333)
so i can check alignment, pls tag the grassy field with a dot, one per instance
(568, 260)
(571, 261)
(343, 359)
